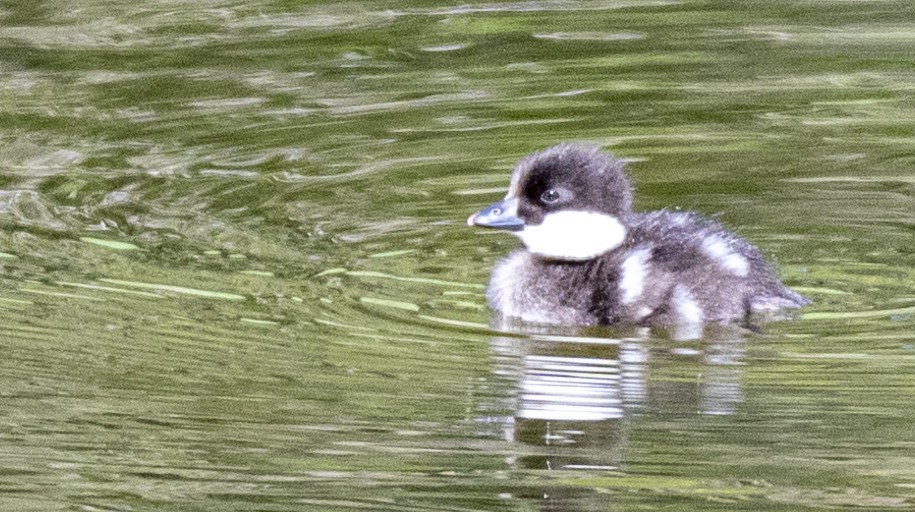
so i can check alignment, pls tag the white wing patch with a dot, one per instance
(718, 249)
(573, 235)
(686, 309)
(634, 270)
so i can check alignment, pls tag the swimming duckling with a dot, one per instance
(589, 259)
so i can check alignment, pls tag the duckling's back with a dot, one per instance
(712, 274)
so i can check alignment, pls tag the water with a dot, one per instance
(235, 273)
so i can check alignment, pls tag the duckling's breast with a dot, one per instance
(525, 286)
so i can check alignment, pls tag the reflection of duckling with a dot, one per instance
(590, 259)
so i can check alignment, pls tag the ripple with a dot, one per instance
(30, 208)
(224, 103)
(835, 315)
(554, 5)
(176, 289)
(590, 36)
(359, 172)
(110, 244)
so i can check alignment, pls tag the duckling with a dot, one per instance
(589, 259)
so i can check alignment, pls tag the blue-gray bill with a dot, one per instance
(499, 215)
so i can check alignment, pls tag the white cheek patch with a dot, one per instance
(573, 235)
(718, 250)
(632, 280)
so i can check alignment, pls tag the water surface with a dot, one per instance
(236, 276)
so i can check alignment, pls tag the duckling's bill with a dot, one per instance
(499, 215)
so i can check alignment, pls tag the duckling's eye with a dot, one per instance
(550, 196)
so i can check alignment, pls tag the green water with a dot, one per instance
(235, 275)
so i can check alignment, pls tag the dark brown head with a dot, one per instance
(566, 202)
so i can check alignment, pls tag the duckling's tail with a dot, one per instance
(774, 302)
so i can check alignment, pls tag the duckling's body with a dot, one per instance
(590, 260)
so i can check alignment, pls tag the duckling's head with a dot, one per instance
(567, 202)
